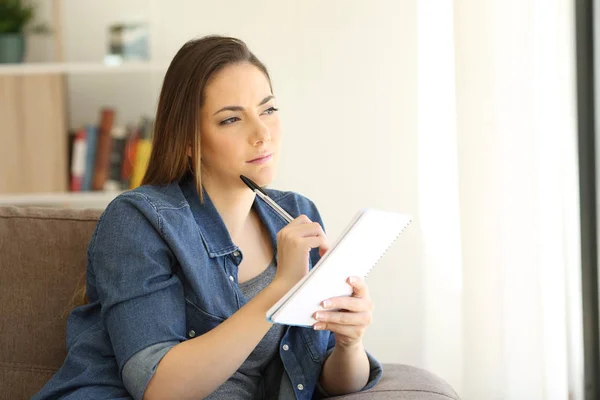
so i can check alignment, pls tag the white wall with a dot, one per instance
(345, 74)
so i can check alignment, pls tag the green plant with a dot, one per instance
(16, 14)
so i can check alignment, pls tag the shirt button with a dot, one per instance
(192, 333)
(231, 278)
(300, 386)
(286, 347)
(236, 253)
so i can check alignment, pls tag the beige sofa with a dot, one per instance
(42, 260)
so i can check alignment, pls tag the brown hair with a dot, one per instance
(177, 122)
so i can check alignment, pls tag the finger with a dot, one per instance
(299, 232)
(354, 304)
(360, 286)
(350, 331)
(315, 241)
(344, 318)
(323, 249)
(309, 229)
(300, 219)
(302, 230)
(310, 234)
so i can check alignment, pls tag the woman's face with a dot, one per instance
(240, 129)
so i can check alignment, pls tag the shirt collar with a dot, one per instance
(213, 231)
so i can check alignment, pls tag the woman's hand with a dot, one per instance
(294, 243)
(355, 315)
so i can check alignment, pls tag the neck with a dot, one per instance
(234, 204)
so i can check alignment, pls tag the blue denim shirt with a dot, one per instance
(162, 267)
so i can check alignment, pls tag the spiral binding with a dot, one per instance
(387, 248)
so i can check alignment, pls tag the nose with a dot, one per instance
(261, 133)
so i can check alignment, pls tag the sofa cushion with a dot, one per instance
(404, 382)
(42, 261)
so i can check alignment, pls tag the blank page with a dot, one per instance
(360, 247)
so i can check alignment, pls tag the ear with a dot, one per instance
(189, 151)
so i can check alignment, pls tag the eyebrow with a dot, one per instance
(239, 108)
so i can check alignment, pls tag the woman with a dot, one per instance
(182, 270)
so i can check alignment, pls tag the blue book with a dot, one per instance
(90, 158)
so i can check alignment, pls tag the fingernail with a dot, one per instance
(318, 316)
(326, 303)
(318, 327)
(352, 279)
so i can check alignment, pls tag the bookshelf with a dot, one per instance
(41, 112)
(80, 68)
(37, 138)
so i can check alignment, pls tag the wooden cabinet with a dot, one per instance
(33, 133)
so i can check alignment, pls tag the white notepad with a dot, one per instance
(361, 245)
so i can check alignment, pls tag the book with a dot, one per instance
(133, 137)
(90, 158)
(78, 160)
(72, 135)
(361, 245)
(115, 161)
(104, 143)
(142, 153)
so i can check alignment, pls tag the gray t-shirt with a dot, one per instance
(259, 377)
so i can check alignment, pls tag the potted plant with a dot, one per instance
(15, 15)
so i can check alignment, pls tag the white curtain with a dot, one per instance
(498, 196)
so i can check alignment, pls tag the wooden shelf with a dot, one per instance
(81, 68)
(71, 199)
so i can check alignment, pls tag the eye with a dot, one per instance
(229, 121)
(270, 110)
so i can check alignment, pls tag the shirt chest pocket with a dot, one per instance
(316, 343)
(198, 321)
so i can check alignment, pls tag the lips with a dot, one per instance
(263, 157)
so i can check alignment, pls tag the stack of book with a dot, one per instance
(107, 156)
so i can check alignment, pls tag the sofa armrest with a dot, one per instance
(404, 382)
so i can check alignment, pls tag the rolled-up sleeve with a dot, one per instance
(141, 367)
(141, 298)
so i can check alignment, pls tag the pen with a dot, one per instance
(263, 195)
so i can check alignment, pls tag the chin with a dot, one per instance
(262, 177)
